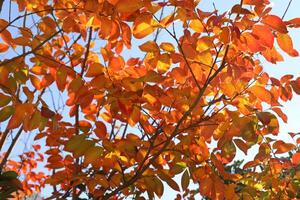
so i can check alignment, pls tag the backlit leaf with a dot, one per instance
(275, 23)
(285, 43)
(261, 93)
(143, 26)
(264, 34)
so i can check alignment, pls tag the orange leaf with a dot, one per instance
(22, 111)
(264, 34)
(241, 145)
(22, 41)
(280, 114)
(100, 130)
(272, 55)
(95, 69)
(167, 20)
(275, 23)
(252, 43)
(225, 35)
(252, 2)
(116, 63)
(286, 44)
(282, 147)
(47, 80)
(296, 159)
(149, 46)
(128, 5)
(294, 22)
(126, 34)
(35, 82)
(261, 93)
(61, 78)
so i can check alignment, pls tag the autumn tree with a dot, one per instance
(123, 95)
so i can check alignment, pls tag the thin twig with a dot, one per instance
(287, 8)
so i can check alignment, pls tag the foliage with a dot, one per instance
(115, 122)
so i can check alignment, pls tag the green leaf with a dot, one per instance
(4, 100)
(9, 175)
(78, 145)
(6, 113)
(74, 142)
(92, 154)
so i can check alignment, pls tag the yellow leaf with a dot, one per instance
(204, 44)
(90, 21)
(197, 25)
(143, 26)
(164, 63)
(167, 20)
(167, 47)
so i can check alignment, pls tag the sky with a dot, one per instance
(289, 66)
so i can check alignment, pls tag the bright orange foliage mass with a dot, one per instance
(121, 125)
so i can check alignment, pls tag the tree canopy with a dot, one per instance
(123, 96)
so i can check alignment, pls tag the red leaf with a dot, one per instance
(100, 130)
(46, 112)
(3, 47)
(296, 85)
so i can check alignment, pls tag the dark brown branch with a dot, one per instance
(4, 160)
